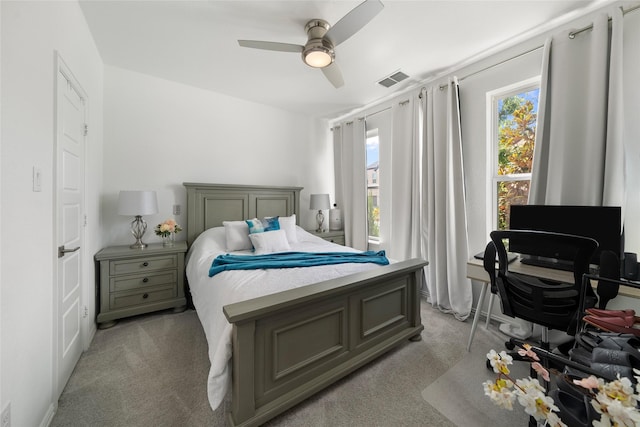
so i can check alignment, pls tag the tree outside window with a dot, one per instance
(515, 130)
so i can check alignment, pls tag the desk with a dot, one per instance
(475, 271)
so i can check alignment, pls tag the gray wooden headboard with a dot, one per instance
(210, 204)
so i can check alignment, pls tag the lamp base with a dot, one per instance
(138, 228)
(320, 219)
(138, 245)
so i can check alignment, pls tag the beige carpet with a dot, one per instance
(151, 371)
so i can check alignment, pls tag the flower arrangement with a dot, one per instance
(167, 228)
(615, 401)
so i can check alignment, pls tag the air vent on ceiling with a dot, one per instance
(394, 78)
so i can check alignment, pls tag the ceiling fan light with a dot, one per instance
(318, 56)
(317, 59)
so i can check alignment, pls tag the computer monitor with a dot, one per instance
(601, 223)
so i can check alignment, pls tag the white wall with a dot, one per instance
(31, 33)
(159, 134)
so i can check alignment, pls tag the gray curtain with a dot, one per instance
(351, 181)
(579, 153)
(444, 225)
(403, 239)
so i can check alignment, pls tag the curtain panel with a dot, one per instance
(351, 181)
(444, 226)
(579, 152)
(403, 239)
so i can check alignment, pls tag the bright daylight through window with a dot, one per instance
(373, 186)
(513, 123)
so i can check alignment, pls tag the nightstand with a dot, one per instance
(137, 281)
(331, 236)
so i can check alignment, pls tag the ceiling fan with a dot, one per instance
(319, 51)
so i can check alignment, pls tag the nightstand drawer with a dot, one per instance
(129, 299)
(124, 283)
(140, 265)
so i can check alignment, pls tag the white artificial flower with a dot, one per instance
(621, 414)
(554, 420)
(500, 393)
(499, 361)
(615, 401)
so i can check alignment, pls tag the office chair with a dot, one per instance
(547, 303)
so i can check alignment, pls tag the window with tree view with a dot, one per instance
(514, 131)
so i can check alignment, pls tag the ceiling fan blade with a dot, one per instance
(353, 21)
(280, 47)
(334, 75)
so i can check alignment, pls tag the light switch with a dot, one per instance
(176, 209)
(37, 179)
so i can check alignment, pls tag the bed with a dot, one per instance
(274, 348)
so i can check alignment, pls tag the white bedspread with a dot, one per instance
(210, 294)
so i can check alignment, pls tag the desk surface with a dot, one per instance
(475, 271)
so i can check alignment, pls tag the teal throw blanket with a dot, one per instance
(293, 259)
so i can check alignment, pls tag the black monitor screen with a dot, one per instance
(601, 223)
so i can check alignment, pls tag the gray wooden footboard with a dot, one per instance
(289, 345)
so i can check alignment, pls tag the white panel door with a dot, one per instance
(70, 147)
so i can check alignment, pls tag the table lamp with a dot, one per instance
(319, 202)
(138, 203)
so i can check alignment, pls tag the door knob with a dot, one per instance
(62, 251)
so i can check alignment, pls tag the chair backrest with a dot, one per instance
(489, 263)
(548, 303)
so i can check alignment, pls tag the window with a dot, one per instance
(373, 187)
(513, 115)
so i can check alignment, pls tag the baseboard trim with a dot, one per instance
(497, 318)
(48, 416)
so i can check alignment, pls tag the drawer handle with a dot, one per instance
(145, 264)
(145, 296)
(145, 280)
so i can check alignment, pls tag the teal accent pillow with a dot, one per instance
(261, 225)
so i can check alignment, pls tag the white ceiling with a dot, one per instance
(195, 43)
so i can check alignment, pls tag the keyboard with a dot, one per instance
(556, 265)
(511, 256)
(564, 266)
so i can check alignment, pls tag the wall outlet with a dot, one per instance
(5, 418)
(176, 209)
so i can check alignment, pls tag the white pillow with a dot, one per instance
(288, 224)
(237, 233)
(270, 241)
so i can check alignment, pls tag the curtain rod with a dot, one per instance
(442, 87)
(573, 34)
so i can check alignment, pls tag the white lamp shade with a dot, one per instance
(319, 202)
(137, 203)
